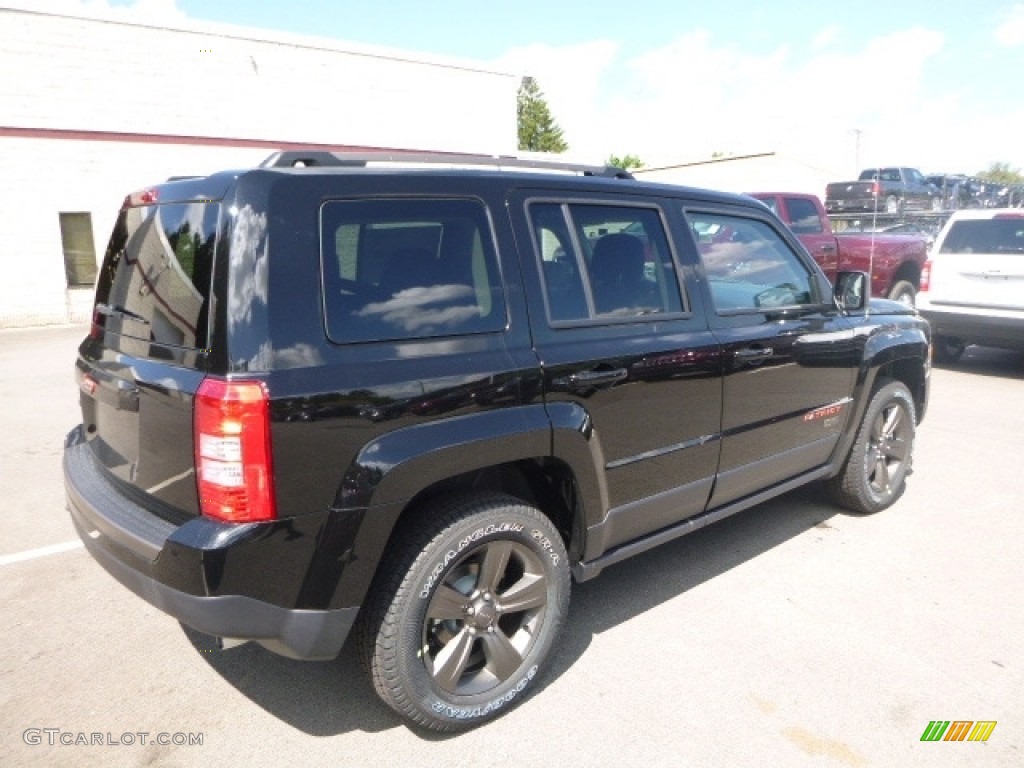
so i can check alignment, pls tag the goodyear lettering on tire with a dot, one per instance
(469, 713)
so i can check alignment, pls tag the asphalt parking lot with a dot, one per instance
(792, 634)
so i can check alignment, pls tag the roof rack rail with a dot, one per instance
(322, 158)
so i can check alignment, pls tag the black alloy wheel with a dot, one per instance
(464, 614)
(875, 473)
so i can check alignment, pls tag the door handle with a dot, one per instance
(588, 380)
(754, 353)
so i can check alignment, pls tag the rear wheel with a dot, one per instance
(947, 349)
(466, 610)
(875, 473)
(893, 204)
(904, 292)
(936, 204)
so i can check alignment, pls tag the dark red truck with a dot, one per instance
(894, 261)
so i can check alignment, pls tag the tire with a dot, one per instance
(904, 292)
(936, 204)
(947, 349)
(465, 611)
(893, 204)
(875, 473)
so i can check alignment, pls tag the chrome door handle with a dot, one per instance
(754, 353)
(587, 380)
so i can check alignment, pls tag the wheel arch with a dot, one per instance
(909, 271)
(888, 356)
(899, 354)
(517, 451)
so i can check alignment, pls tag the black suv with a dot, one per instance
(412, 402)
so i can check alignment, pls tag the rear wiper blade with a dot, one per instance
(108, 310)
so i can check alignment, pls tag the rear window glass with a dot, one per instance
(155, 279)
(408, 269)
(985, 236)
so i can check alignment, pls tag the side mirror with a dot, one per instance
(851, 291)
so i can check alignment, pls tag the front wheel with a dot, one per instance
(875, 473)
(466, 610)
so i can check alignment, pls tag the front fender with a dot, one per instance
(887, 347)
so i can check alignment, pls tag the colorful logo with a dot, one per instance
(958, 730)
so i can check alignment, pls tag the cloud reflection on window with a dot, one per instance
(425, 308)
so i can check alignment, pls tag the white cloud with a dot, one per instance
(1011, 32)
(825, 37)
(695, 96)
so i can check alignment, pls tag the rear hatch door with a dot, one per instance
(980, 264)
(145, 356)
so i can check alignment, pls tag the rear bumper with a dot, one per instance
(856, 204)
(188, 570)
(993, 330)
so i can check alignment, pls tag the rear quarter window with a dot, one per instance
(408, 269)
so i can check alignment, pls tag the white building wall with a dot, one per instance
(45, 177)
(91, 110)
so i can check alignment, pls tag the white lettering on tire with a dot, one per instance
(545, 544)
(467, 713)
(472, 538)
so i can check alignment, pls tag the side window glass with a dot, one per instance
(406, 269)
(604, 262)
(749, 267)
(563, 282)
(803, 216)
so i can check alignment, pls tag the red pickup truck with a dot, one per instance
(893, 261)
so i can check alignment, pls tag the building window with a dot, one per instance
(79, 249)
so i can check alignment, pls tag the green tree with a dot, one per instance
(626, 162)
(538, 131)
(1002, 173)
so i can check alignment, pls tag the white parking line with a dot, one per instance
(32, 554)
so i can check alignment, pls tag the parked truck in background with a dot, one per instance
(893, 261)
(891, 190)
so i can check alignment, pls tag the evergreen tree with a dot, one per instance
(538, 131)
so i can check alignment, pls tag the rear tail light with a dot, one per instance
(876, 189)
(99, 321)
(232, 447)
(142, 197)
(926, 276)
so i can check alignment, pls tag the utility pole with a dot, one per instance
(856, 151)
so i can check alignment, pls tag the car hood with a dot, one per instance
(888, 307)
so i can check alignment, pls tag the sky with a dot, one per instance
(933, 84)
